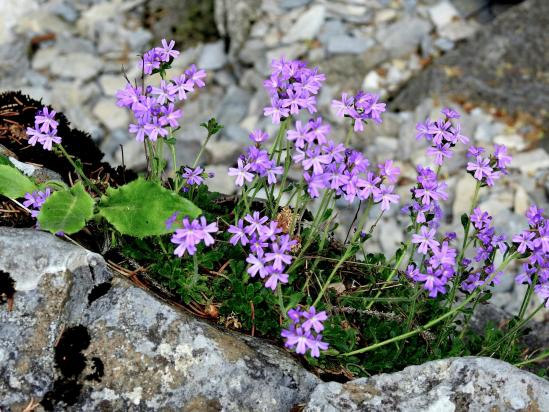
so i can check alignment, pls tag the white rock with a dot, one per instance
(531, 161)
(112, 116)
(385, 15)
(307, 25)
(82, 66)
(348, 44)
(213, 56)
(221, 182)
(522, 202)
(134, 155)
(443, 13)
(458, 30)
(111, 83)
(372, 81)
(390, 236)
(465, 188)
(44, 57)
(512, 141)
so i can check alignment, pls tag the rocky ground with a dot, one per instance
(71, 54)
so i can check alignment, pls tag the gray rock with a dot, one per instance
(347, 44)
(530, 161)
(404, 36)
(479, 70)
(292, 4)
(307, 25)
(153, 356)
(213, 56)
(233, 107)
(234, 19)
(111, 115)
(443, 13)
(448, 385)
(444, 44)
(82, 66)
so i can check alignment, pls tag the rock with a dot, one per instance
(233, 19)
(348, 44)
(531, 161)
(307, 25)
(81, 66)
(111, 115)
(404, 36)
(221, 182)
(134, 155)
(444, 44)
(465, 188)
(522, 202)
(233, 107)
(442, 14)
(44, 58)
(512, 141)
(292, 4)
(111, 83)
(477, 71)
(213, 56)
(458, 30)
(224, 151)
(107, 335)
(390, 236)
(455, 384)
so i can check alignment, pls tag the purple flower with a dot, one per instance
(439, 152)
(259, 136)
(542, 291)
(314, 320)
(542, 241)
(239, 235)
(278, 257)
(386, 197)
(196, 76)
(391, 173)
(255, 223)
(181, 85)
(300, 135)
(480, 219)
(524, 240)
(426, 239)
(257, 266)
(276, 111)
(193, 176)
(45, 118)
(241, 172)
(274, 278)
(166, 51)
(500, 153)
(481, 168)
(316, 160)
(431, 281)
(192, 234)
(450, 113)
(35, 200)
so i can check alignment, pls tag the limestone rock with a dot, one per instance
(448, 385)
(307, 25)
(134, 350)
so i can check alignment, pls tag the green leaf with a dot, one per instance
(66, 210)
(13, 183)
(141, 208)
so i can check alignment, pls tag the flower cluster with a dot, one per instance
(191, 234)
(361, 107)
(534, 243)
(442, 134)
(35, 200)
(270, 249)
(426, 197)
(44, 130)
(304, 331)
(154, 108)
(328, 165)
(292, 87)
(255, 162)
(488, 243)
(488, 169)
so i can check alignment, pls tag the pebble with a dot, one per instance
(112, 116)
(348, 44)
(81, 66)
(531, 161)
(307, 25)
(111, 83)
(213, 56)
(443, 13)
(403, 37)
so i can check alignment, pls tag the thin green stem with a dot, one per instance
(542, 356)
(79, 171)
(195, 270)
(281, 301)
(201, 151)
(349, 135)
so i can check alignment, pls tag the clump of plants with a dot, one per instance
(266, 262)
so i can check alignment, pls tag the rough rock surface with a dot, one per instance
(448, 385)
(134, 351)
(495, 67)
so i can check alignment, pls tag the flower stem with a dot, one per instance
(542, 356)
(79, 171)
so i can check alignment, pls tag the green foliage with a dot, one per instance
(66, 210)
(13, 183)
(141, 208)
(212, 126)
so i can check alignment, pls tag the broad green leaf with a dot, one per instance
(13, 183)
(66, 210)
(141, 208)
